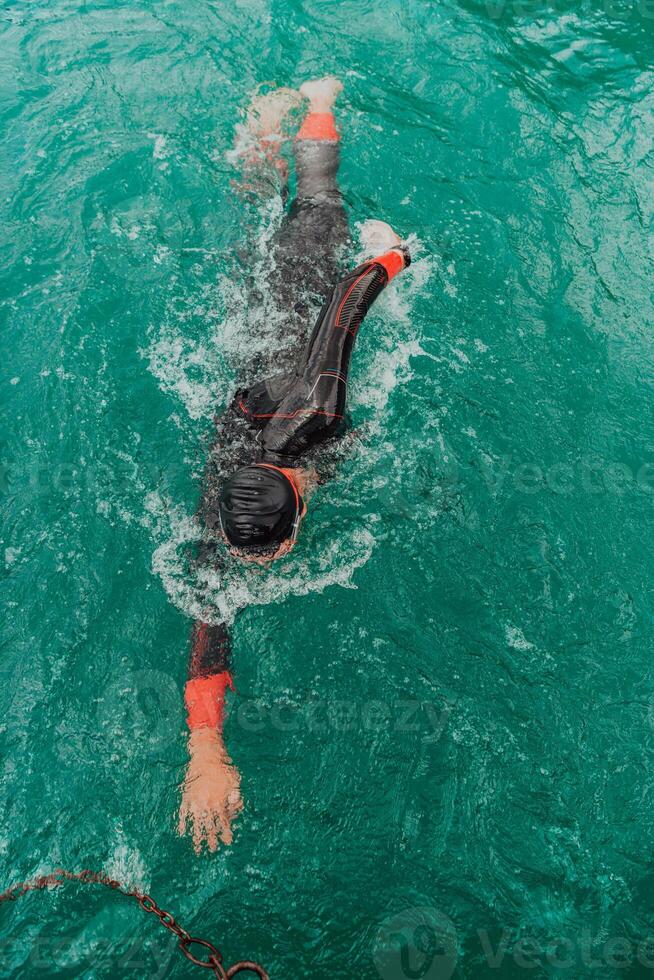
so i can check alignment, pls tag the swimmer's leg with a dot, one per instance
(315, 232)
(317, 144)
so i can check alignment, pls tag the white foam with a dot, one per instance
(161, 254)
(126, 866)
(244, 143)
(516, 638)
(160, 148)
(216, 594)
(183, 367)
(198, 369)
(388, 369)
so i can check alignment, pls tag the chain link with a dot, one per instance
(214, 958)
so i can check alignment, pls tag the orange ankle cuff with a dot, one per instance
(318, 126)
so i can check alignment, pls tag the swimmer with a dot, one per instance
(258, 480)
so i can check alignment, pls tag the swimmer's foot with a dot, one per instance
(260, 139)
(321, 93)
(266, 113)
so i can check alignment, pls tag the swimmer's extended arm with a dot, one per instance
(313, 408)
(211, 795)
(344, 310)
(209, 664)
(209, 676)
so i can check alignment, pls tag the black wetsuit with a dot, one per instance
(279, 419)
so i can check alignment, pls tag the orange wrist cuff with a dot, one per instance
(205, 700)
(392, 261)
(318, 126)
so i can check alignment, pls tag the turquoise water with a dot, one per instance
(445, 695)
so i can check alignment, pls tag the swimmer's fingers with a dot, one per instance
(232, 808)
(208, 826)
(224, 815)
(234, 803)
(229, 813)
(223, 827)
(184, 815)
(210, 831)
(202, 831)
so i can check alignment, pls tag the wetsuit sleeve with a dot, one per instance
(314, 407)
(209, 676)
(209, 671)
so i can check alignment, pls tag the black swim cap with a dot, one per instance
(258, 506)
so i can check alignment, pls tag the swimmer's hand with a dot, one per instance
(377, 236)
(211, 796)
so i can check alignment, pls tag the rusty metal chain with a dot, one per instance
(214, 958)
